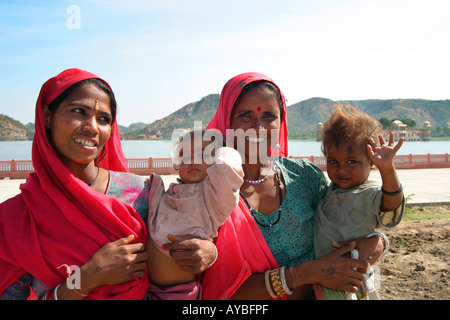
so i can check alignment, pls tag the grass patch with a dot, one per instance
(427, 212)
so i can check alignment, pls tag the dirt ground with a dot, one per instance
(418, 265)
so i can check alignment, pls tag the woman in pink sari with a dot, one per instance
(80, 210)
(266, 246)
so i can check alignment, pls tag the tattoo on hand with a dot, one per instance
(331, 271)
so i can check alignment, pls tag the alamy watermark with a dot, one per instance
(254, 146)
(74, 19)
(73, 280)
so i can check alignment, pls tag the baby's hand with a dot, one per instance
(383, 156)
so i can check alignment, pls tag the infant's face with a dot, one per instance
(193, 166)
(347, 164)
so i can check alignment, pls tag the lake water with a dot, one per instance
(21, 150)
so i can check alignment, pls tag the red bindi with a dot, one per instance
(259, 108)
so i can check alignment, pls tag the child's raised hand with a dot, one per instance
(383, 156)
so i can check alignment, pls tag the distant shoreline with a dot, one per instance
(289, 138)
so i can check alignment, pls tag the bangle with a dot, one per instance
(387, 244)
(392, 193)
(215, 258)
(284, 283)
(276, 284)
(268, 286)
(55, 295)
(275, 277)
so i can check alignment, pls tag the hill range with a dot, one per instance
(303, 117)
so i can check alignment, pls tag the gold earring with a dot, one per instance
(96, 106)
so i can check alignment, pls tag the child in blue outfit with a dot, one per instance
(355, 206)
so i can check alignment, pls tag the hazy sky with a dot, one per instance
(161, 55)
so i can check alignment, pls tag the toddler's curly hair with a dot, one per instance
(347, 123)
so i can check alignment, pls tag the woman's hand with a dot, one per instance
(117, 262)
(190, 253)
(332, 270)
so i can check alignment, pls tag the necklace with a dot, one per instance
(90, 183)
(252, 211)
(264, 178)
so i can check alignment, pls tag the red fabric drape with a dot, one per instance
(57, 219)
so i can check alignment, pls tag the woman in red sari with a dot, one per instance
(80, 207)
(266, 246)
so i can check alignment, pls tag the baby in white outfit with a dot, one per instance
(198, 205)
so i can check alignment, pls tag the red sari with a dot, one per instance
(242, 248)
(57, 219)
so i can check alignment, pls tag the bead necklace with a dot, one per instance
(252, 210)
(264, 178)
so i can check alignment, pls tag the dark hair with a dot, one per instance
(349, 124)
(98, 83)
(263, 84)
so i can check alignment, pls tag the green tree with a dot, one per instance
(385, 123)
(439, 132)
(409, 122)
(447, 131)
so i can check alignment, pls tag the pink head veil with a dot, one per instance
(228, 97)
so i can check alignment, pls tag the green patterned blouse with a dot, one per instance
(291, 238)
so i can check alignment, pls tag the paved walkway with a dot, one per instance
(421, 186)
